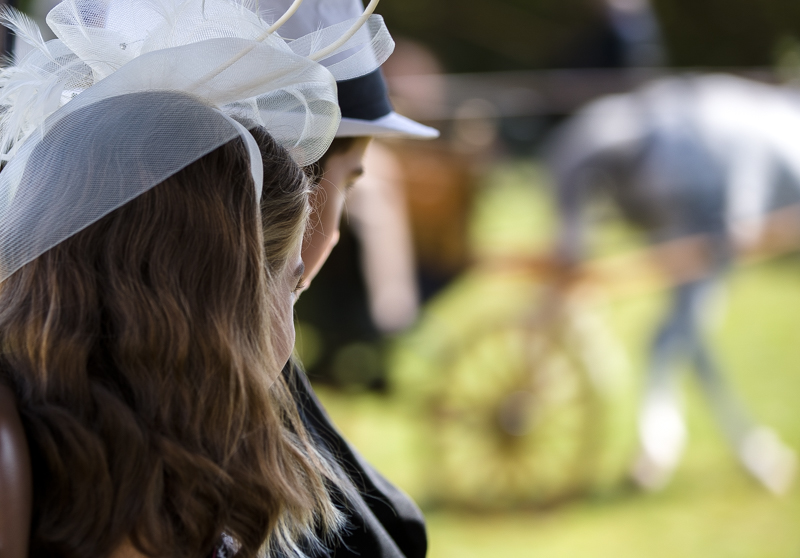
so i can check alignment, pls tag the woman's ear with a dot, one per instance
(16, 488)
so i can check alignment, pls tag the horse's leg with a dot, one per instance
(662, 432)
(758, 448)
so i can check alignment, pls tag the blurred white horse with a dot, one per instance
(708, 155)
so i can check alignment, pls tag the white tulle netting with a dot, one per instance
(132, 91)
(68, 185)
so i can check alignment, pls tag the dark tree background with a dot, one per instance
(487, 35)
(727, 32)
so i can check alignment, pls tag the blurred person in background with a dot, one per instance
(703, 157)
(438, 177)
(383, 522)
(378, 216)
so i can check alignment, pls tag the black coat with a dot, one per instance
(383, 522)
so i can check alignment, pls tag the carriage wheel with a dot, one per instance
(519, 419)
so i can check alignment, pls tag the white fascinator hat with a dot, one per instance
(132, 91)
(364, 100)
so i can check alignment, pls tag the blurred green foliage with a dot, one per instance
(491, 35)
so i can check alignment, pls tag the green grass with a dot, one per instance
(711, 509)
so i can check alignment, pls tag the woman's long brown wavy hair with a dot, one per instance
(141, 352)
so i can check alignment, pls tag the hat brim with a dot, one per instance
(392, 125)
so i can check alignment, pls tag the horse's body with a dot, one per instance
(698, 155)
